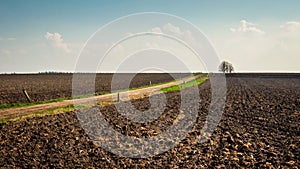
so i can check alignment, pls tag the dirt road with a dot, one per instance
(123, 96)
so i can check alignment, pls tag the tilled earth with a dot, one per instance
(41, 87)
(259, 129)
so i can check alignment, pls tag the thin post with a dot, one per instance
(26, 95)
(118, 97)
(150, 83)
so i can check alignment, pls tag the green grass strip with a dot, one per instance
(14, 105)
(5, 106)
(189, 84)
(52, 111)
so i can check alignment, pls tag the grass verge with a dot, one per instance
(53, 111)
(189, 84)
(5, 106)
(38, 114)
(14, 105)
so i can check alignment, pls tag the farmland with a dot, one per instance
(42, 87)
(259, 129)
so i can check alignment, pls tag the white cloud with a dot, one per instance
(5, 51)
(11, 38)
(276, 50)
(129, 34)
(185, 35)
(156, 30)
(247, 27)
(158, 43)
(232, 30)
(57, 41)
(8, 39)
(152, 45)
(172, 28)
(291, 26)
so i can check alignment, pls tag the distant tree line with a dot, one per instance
(52, 72)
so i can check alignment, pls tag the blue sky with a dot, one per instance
(230, 25)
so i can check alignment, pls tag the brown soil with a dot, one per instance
(41, 87)
(106, 98)
(259, 129)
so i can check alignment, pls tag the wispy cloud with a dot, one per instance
(172, 28)
(276, 50)
(156, 30)
(7, 38)
(185, 35)
(5, 51)
(291, 26)
(247, 27)
(57, 41)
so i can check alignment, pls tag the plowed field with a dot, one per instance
(259, 129)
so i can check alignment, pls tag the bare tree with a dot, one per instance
(230, 68)
(226, 67)
(222, 67)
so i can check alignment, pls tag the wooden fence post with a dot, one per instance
(27, 96)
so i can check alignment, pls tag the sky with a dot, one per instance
(255, 36)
